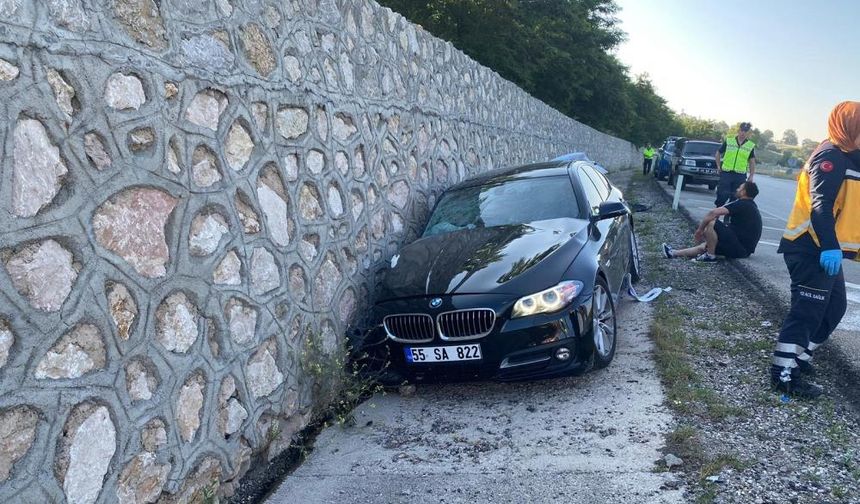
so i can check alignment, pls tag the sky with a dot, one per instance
(778, 64)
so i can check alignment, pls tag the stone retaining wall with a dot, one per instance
(186, 186)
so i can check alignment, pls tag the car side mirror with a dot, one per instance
(610, 210)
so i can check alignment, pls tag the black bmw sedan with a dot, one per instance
(516, 276)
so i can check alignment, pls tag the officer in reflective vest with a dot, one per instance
(735, 158)
(648, 155)
(823, 228)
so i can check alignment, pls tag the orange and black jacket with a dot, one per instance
(826, 213)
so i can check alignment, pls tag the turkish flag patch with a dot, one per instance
(827, 167)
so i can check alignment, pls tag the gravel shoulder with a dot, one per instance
(714, 334)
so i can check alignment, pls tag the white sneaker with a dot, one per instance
(705, 258)
(668, 252)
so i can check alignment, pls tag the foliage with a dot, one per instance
(559, 52)
(788, 154)
(789, 137)
(338, 382)
(702, 129)
(807, 146)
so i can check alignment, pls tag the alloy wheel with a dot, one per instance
(603, 323)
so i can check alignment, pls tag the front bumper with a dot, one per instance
(515, 349)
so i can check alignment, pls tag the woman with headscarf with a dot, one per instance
(822, 230)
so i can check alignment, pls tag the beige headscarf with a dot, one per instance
(843, 127)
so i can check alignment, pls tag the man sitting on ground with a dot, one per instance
(735, 240)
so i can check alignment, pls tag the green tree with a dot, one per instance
(653, 120)
(789, 137)
(702, 129)
(807, 146)
(766, 137)
(556, 50)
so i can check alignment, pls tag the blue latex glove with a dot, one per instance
(831, 260)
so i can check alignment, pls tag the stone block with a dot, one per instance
(142, 480)
(258, 52)
(123, 309)
(229, 270)
(177, 323)
(262, 373)
(206, 108)
(141, 20)
(144, 211)
(37, 169)
(207, 229)
(17, 433)
(86, 449)
(188, 407)
(44, 274)
(77, 353)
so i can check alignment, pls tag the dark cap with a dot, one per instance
(745, 126)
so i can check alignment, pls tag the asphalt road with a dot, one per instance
(774, 201)
(594, 438)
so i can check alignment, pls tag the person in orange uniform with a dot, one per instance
(823, 229)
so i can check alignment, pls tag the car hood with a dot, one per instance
(514, 259)
(703, 158)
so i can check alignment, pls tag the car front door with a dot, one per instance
(609, 234)
(617, 247)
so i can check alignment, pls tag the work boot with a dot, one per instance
(797, 387)
(806, 369)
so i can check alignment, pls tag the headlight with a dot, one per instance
(689, 162)
(548, 301)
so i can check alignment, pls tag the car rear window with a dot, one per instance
(504, 202)
(700, 148)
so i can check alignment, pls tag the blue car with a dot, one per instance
(666, 155)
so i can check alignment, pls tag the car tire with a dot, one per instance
(635, 262)
(711, 187)
(604, 330)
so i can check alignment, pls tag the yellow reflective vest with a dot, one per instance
(648, 153)
(846, 206)
(737, 157)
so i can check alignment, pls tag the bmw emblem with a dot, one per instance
(435, 302)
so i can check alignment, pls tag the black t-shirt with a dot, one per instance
(746, 222)
(725, 146)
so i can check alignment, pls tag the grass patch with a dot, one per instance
(684, 442)
(710, 494)
(685, 389)
(733, 326)
(752, 345)
(720, 462)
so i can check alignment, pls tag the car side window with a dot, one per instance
(599, 180)
(591, 192)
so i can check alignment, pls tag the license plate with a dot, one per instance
(443, 353)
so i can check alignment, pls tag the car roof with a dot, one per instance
(536, 170)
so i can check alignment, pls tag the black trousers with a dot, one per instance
(818, 303)
(646, 166)
(728, 186)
